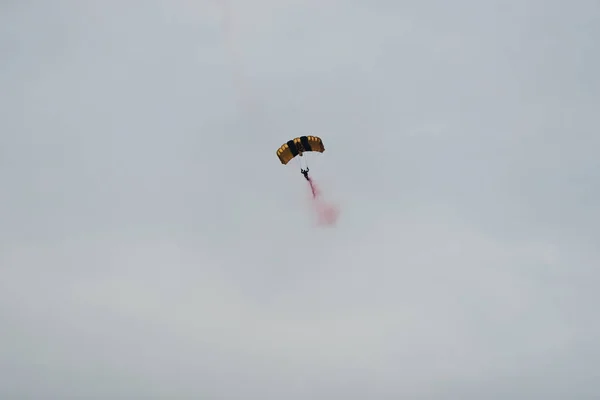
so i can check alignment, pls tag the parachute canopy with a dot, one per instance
(298, 146)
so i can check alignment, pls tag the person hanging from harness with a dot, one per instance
(305, 173)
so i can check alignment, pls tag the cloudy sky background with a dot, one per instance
(152, 246)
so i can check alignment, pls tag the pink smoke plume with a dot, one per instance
(327, 213)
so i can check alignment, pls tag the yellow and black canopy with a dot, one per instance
(297, 146)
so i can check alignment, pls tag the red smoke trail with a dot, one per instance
(327, 214)
(313, 188)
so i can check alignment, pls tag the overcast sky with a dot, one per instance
(152, 246)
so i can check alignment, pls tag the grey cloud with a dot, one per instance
(151, 245)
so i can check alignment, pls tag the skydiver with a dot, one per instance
(305, 173)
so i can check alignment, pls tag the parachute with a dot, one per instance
(297, 146)
(326, 212)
